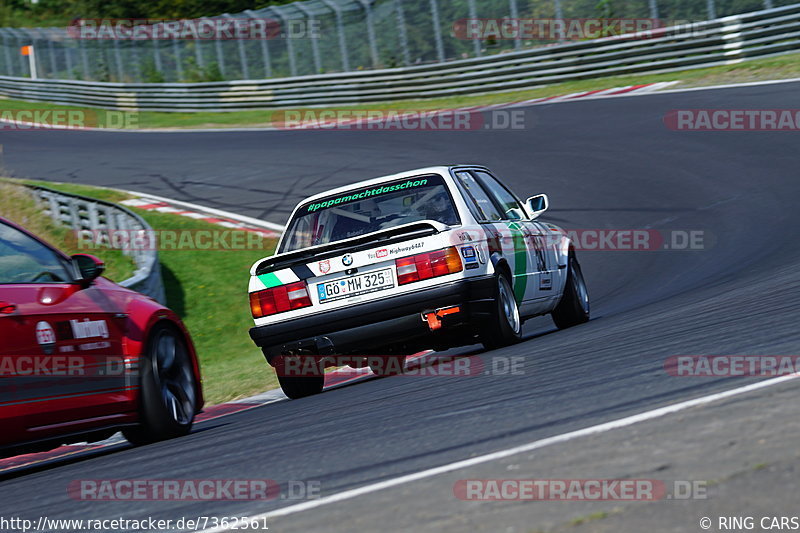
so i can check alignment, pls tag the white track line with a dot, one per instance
(534, 445)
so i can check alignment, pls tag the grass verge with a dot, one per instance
(774, 68)
(207, 288)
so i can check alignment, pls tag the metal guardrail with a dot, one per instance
(96, 220)
(311, 37)
(716, 42)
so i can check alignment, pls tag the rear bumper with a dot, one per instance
(397, 320)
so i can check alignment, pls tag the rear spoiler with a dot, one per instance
(413, 230)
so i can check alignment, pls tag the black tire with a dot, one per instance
(296, 387)
(167, 388)
(573, 309)
(505, 326)
(387, 366)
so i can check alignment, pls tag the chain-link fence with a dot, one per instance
(322, 36)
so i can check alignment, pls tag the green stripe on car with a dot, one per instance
(270, 279)
(520, 261)
(276, 279)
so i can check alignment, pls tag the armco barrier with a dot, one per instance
(309, 37)
(94, 217)
(716, 42)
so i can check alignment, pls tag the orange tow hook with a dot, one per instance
(434, 318)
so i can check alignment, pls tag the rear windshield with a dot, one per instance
(373, 208)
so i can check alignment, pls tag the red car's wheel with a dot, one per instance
(168, 396)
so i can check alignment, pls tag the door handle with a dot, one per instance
(6, 308)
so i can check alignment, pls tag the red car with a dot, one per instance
(82, 357)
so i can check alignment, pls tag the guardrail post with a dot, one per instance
(68, 59)
(156, 55)
(264, 46)
(242, 55)
(118, 59)
(711, 8)
(287, 38)
(7, 53)
(473, 14)
(198, 54)
(654, 9)
(23, 62)
(373, 47)
(401, 26)
(559, 14)
(437, 30)
(266, 58)
(177, 51)
(220, 56)
(313, 38)
(134, 51)
(340, 33)
(512, 6)
(51, 51)
(84, 59)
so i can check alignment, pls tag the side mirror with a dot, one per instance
(89, 266)
(536, 205)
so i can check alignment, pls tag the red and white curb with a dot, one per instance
(225, 219)
(585, 95)
(333, 379)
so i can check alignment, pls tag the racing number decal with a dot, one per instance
(520, 280)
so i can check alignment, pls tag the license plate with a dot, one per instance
(355, 285)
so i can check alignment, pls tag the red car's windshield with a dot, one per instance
(26, 260)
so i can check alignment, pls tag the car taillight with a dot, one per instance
(279, 299)
(428, 265)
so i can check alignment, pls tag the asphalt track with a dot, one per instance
(605, 164)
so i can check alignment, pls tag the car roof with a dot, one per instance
(442, 170)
